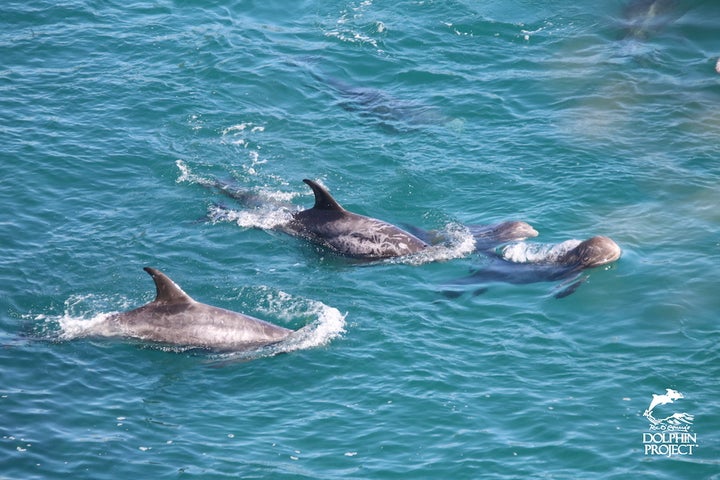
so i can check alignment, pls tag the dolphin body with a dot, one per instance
(566, 267)
(330, 225)
(644, 18)
(392, 114)
(174, 318)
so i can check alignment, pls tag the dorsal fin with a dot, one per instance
(323, 199)
(167, 290)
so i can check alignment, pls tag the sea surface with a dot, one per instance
(581, 118)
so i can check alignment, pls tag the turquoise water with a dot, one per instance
(576, 117)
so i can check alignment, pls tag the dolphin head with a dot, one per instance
(593, 252)
(488, 237)
(514, 230)
(673, 394)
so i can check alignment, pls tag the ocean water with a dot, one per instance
(581, 118)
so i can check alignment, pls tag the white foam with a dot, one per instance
(326, 324)
(80, 318)
(186, 175)
(328, 321)
(235, 128)
(523, 252)
(265, 218)
(77, 327)
(264, 193)
(241, 127)
(347, 29)
(456, 241)
(276, 196)
(236, 134)
(329, 324)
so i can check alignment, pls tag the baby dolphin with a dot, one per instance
(330, 225)
(174, 318)
(490, 236)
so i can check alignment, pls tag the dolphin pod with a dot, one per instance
(175, 318)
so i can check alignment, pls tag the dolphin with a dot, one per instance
(593, 252)
(562, 262)
(330, 225)
(392, 114)
(644, 18)
(486, 236)
(490, 236)
(175, 318)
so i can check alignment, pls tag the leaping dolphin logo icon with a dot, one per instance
(669, 396)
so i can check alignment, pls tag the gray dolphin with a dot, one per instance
(490, 236)
(174, 318)
(593, 252)
(486, 236)
(330, 225)
(566, 265)
(353, 235)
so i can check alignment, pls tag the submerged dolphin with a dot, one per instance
(561, 262)
(347, 233)
(174, 318)
(644, 18)
(392, 114)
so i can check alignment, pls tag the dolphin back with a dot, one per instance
(167, 290)
(175, 318)
(329, 224)
(323, 199)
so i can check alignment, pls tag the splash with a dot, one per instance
(353, 26)
(236, 134)
(72, 328)
(326, 324)
(453, 241)
(259, 195)
(522, 252)
(241, 127)
(266, 217)
(277, 196)
(80, 318)
(187, 176)
(329, 324)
